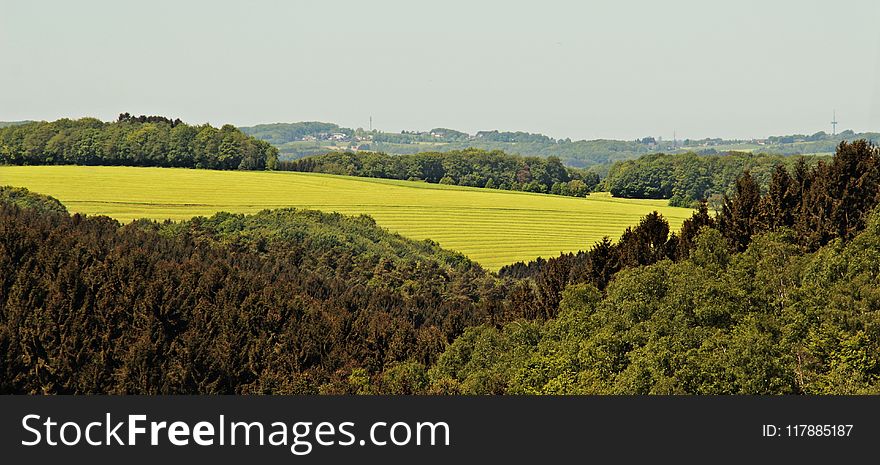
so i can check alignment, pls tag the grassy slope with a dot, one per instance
(491, 227)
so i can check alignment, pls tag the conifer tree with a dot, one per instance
(740, 215)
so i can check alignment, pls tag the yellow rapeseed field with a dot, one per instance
(492, 227)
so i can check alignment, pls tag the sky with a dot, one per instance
(578, 69)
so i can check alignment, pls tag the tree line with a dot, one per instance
(471, 167)
(830, 200)
(134, 141)
(686, 179)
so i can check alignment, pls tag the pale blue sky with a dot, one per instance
(579, 69)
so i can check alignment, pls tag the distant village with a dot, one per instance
(360, 137)
(772, 140)
(296, 140)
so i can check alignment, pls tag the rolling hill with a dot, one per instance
(303, 139)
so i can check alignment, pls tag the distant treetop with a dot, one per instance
(128, 118)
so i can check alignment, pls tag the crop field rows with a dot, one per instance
(492, 227)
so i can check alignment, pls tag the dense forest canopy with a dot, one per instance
(771, 320)
(688, 178)
(777, 294)
(24, 198)
(283, 301)
(134, 141)
(472, 167)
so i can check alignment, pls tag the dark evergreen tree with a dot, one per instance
(603, 263)
(839, 195)
(740, 215)
(778, 207)
(690, 229)
(646, 243)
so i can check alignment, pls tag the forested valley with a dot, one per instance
(776, 293)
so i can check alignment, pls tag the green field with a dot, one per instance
(492, 227)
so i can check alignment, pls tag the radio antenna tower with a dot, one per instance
(834, 123)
